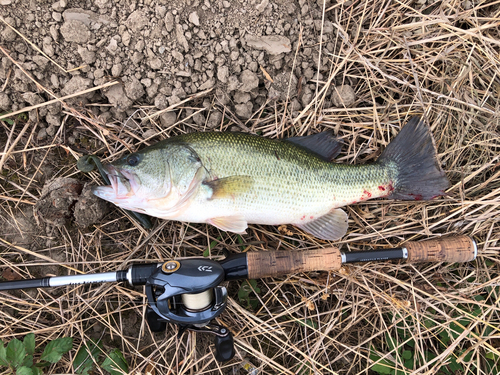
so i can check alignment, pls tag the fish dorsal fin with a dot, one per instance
(323, 144)
(331, 226)
(235, 224)
(229, 187)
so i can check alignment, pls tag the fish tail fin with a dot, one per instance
(413, 154)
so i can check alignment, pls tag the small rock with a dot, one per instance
(136, 21)
(233, 83)
(134, 89)
(137, 57)
(161, 101)
(112, 46)
(5, 2)
(168, 119)
(272, 44)
(194, 19)
(223, 73)
(77, 84)
(51, 130)
(5, 101)
(53, 119)
(150, 133)
(262, 6)
(41, 61)
(42, 134)
(169, 21)
(75, 31)
(57, 16)
(155, 63)
(199, 119)
(181, 39)
(244, 110)
(87, 56)
(249, 81)
(32, 98)
(343, 96)
(102, 3)
(8, 34)
(214, 119)
(241, 97)
(116, 70)
(117, 97)
(208, 84)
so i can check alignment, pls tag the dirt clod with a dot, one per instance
(56, 203)
(343, 96)
(89, 209)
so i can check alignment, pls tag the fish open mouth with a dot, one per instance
(120, 184)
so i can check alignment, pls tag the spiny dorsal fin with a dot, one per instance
(323, 144)
(228, 187)
(331, 226)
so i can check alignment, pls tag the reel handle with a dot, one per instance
(452, 249)
(455, 248)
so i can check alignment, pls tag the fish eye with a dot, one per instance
(133, 160)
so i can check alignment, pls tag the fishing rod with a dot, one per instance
(186, 292)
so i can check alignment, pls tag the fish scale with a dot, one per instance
(232, 179)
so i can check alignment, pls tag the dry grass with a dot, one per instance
(441, 61)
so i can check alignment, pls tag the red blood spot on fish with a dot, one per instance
(312, 217)
(303, 217)
(367, 193)
(354, 202)
(390, 187)
(381, 188)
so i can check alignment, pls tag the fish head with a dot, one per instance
(135, 179)
(159, 181)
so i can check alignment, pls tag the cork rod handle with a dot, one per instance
(454, 248)
(274, 263)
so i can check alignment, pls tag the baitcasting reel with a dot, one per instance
(188, 293)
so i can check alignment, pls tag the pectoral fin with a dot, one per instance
(331, 226)
(324, 144)
(229, 187)
(235, 224)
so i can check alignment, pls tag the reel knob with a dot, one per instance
(224, 346)
(155, 322)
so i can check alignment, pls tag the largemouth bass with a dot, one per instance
(232, 179)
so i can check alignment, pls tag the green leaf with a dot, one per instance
(28, 361)
(56, 349)
(454, 366)
(214, 243)
(36, 370)
(23, 370)
(382, 366)
(391, 342)
(15, 353)
(409, 364)
(3, 355)
(407, 354)
(29, 343)
(84, 359)
(115, 363)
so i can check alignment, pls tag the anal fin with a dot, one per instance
(235, 224)
(331, 226)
